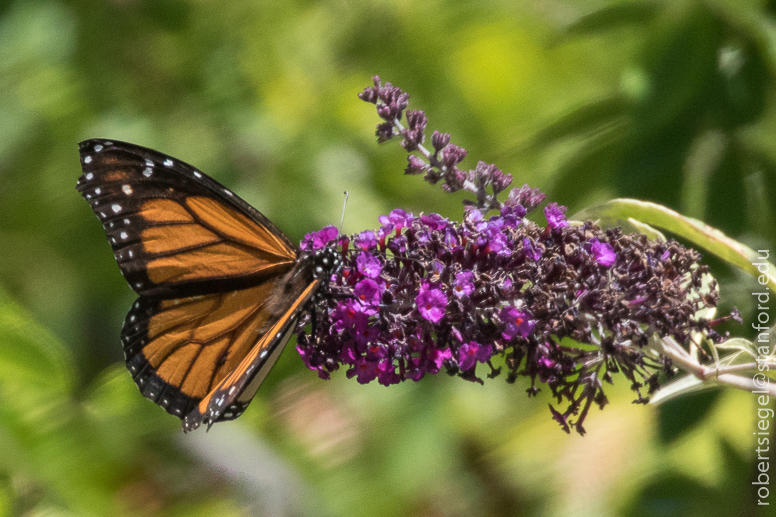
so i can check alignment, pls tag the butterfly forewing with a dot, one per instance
(175, 231)
(220, 286)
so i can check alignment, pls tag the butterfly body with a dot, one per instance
(220, 286)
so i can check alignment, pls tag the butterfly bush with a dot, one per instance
(565, 306)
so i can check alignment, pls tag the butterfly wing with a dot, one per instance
(206, 265)
(175, 231)
(178, 350)
(231, 396)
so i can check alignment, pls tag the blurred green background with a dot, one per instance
(668, 101)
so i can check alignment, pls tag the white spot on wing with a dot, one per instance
(228, 192)
(123, 235)
(89, 176)
(127, 189)
(88, 159)
(149, 163)
(147, 172)
(198, 175)
(98, 191)
(97, 148)
(168, 163)
(116, 208)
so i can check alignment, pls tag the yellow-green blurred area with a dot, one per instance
(668, 101)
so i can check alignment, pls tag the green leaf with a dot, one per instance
(588, 120)
(613, 17)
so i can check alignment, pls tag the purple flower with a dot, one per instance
(512, 215)
(348, 355)
(375, 352)
(494, 238)
(475, 219)
(499, 285)
(516, 323)
(368, 292)
(369, 265)
(366, 240)
(470, 353)
(525, 196)
(413, 134)
(451, 239)
(531, 251)
(464, 284)
(324, 236)
(349, 314)
(398, 244)
(364, 335)
(454, 179)
(556, 216)
(422, 236)
(438, 357)
(452, 155)
(434, 221)
(364, 370)
(431, 304)
(603, 252)
(398, 218)
(306, 354)
(415, 165)
(440, 140)
(386, 373)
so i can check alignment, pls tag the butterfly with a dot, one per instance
(220, 287)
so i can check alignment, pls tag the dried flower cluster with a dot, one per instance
(565, 306)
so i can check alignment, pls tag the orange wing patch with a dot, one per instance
(174, 231)
(205, 240)
(179, 350)
(232, 395)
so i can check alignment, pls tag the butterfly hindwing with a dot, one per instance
(178, 350)
(231, 396)
(175, 231)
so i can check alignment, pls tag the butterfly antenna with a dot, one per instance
(344, 204)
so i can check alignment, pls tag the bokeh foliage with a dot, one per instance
(668, 101)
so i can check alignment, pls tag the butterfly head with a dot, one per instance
(326, 262)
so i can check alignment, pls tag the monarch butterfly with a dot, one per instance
(220, 286)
